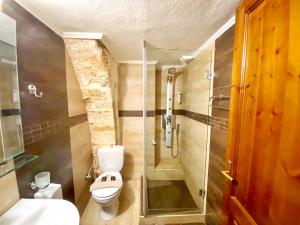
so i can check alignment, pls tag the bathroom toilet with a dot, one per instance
(107, 187)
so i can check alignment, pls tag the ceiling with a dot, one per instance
(183, 25)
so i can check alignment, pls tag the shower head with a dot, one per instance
(172, 71)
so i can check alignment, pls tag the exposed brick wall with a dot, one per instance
(90, 63)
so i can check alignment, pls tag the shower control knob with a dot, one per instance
(169, 120)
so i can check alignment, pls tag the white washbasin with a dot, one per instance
(41, 212)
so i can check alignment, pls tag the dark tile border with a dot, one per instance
(38, 131)
(74, 120)
(202, 118)
(215, 122)
(130, 113)
(134, 113)
(175, 111)
(10, 112)
(192, 115)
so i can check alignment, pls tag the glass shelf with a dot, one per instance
(15, 163)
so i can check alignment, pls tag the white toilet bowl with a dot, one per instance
(111, 162)
(107, 198)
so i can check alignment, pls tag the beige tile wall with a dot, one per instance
(195, 87)
(150, 123)
(131, 138)
(113, 76)
(9, 193)
(131, 93)
(151, 80)
(160, 165)
(161, 87)
(130, 98)
(130, 86)
(195, 135)
(193, 155)
(76, 105)
(164, 161)
(81, 147)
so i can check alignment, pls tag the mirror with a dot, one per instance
(11, 136)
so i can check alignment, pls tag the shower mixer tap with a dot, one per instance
(169, 125)
(169, 120)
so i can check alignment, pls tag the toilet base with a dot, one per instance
(108, 212)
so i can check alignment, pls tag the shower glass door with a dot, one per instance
(175, 142)
(149, 122)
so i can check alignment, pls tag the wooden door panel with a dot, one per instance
(241, 216)
(269, 110)
(285, 201)
(250, 85)
(264, 137)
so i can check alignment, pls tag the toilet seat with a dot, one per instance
(104, 193)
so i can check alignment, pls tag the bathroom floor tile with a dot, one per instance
(169, 196)
(128, 211)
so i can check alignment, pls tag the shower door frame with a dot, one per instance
(176, 217)
(144, 100)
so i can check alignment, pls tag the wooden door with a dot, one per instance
(264, 132)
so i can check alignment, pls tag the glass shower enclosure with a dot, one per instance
(176, 130)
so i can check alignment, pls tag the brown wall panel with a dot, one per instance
(218, 140)
(54, 156)
(41, 61)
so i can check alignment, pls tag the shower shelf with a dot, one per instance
(16, 163)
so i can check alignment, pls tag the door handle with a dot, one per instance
(228, 176)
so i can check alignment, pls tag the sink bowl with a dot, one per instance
(41, 212)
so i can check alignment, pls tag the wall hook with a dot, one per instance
(32, 90)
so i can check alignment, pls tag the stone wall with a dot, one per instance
(90, 62)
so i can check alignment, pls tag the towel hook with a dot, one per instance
(33, 89)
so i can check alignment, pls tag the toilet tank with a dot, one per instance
(111, 159)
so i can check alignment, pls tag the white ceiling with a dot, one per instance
(170, 24)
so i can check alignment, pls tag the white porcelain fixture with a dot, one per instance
(111, 162)
(52, 191)
(41, 212)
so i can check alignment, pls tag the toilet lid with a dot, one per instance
(106, 192)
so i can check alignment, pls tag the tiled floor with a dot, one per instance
(128, 212)
(166, 196)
